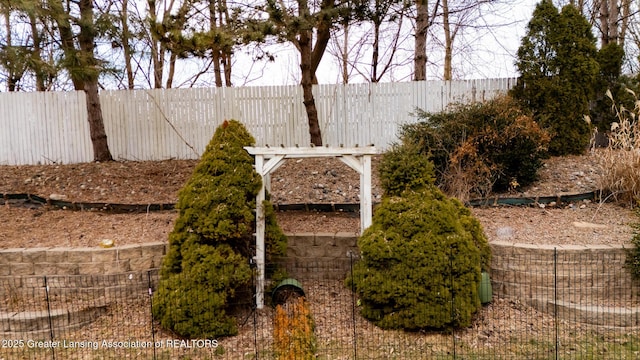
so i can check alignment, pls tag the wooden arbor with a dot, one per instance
(268, 159)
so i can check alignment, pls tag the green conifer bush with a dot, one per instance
(422, 256)
(206, 268)
(558, 66)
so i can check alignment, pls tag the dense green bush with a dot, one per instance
(480, 147)
(207, 264)
(422, 251)
(558, 66)
(403, 167)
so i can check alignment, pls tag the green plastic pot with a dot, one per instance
(287, 289)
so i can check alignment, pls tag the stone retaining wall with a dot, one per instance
(80, 261)
(583, 276)
(320, 256)
(593, 274)
(304, 247)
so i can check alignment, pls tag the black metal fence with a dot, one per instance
(544, 307)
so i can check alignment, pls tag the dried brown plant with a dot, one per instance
(620, 160)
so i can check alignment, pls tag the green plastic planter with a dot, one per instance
(484, 289)
(285, 290)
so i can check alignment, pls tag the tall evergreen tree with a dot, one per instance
(558, 70)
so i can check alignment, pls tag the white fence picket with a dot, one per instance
(158, 124)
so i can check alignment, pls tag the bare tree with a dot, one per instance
(21, 52)
(126, 44)
(614, 20)
(455, 19)
(422, 28)
(368, 44)
(389, 12)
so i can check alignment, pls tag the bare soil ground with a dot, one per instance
(297, 181)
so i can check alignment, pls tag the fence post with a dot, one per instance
(153, 330)
(46, 292)
(353, 307)
(254, 308)
(453, 301)
(555, 297)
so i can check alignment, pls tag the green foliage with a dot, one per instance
(207, 262)
(194, 303)
(403, 168)
(481, 147)
(557, 61)
(422, 251)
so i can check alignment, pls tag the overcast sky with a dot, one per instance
(481, 53)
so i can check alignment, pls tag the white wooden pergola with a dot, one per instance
(268, 159)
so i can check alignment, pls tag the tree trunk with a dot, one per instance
(89, 80)
(225, 56)
(126, 47)
(376, 51)
(12, 80)
(345, 54)
(96, 123)
(614, 16)
(307, 88)
(420, 54)
(215, 49)
(39, 68)
(157, 50)
(626, 14)
(172, 70)
(226, 66)
(448, 47)
(310, 57)
(604, 22)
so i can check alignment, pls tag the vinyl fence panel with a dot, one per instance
(44, 127)
(159, 124)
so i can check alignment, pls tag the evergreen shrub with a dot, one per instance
(612, 83)
(206, 268)
(422, 257)
(481, 147)
(558, 66)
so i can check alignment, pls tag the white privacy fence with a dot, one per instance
(52, 127)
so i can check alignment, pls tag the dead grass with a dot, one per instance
(620, 161)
